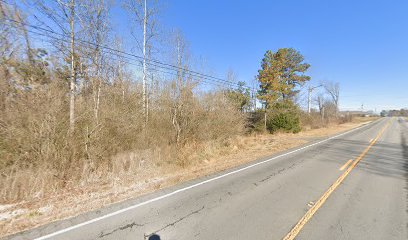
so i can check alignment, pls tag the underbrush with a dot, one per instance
(41, 158)
(141, 171)
(314, 120)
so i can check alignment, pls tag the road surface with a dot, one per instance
(353, 186)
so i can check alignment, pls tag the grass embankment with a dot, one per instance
(204, 159)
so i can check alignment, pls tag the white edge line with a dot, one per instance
(189, 187)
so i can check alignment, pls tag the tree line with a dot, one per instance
(394, 113)
(75, 97)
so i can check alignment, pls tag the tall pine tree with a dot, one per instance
(281, 72)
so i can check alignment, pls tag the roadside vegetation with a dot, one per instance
(85, 121)
(394, 113)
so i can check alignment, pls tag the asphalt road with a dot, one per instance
(308, 191)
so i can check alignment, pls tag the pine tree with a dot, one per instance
(281, 72)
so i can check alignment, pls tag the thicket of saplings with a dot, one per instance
(40, 157)
(112, 141)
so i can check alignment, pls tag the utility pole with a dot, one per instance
(309, 97)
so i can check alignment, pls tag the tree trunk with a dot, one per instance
(27, 40)
(97, 100)
(144, 96)
(265, 121)
(98, 88)
(73, 74)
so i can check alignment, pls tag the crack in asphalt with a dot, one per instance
(278, 172)
(174, 223)
(130, 225)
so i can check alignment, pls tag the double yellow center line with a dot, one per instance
(309, 214)
(345, 165)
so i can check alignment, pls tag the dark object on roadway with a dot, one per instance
(154, 237)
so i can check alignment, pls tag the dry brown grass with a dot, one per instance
(44, 168)
(52, 169)
(142, 177)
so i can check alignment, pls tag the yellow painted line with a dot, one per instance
(309, 214)
(371, 140)
(346, 164)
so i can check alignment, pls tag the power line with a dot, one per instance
(118, 52)
(202, 79)
(165, 72)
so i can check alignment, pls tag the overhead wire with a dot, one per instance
(130, 56)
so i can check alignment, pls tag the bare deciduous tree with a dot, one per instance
(143, 15)
(320, 100)
(72, 82)
(63, 135)
(181, 53)
(63, 14)
(333, 89)
(95, 21)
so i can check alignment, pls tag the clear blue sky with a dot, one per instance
(361, 44)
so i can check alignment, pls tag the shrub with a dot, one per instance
(283, 116)
(286, 121)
